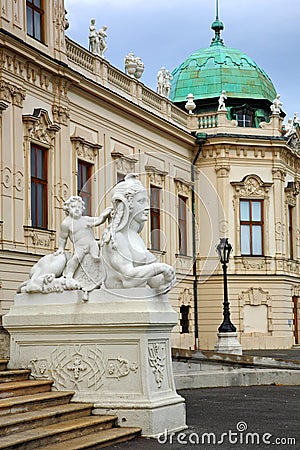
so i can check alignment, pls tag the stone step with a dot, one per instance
(26, 403)
(17, 388)
(3, 364)
(98, 440)
(14, 375)
(50, 434)
(14, 423)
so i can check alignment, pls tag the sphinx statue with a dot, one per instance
(127, 261)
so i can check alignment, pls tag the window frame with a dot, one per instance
(85, 194)
(250, 223)
(185, 319)
(35, 10)
(155, 217)
(291, 231)
(35, 180)
(182, 226)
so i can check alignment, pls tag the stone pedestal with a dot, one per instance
(113, 350)
(228, 343)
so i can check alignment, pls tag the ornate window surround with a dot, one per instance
(123, 164)
(251, 187)
(291, 192)
(156, 177)
(39, 130)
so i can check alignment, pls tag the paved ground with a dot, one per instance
(271, 412)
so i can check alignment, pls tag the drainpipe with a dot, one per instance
(200, 140)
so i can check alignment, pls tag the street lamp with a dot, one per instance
(224, 249)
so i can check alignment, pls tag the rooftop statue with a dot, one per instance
(164, 78)
(276, 105)
(123, 260)
(222, 98)
(127, 261)
(97, 39)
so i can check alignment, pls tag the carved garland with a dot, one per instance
(251, 187)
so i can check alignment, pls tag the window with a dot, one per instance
(155, 217)
(244, 118)
(34, 18)
(184, 319)
(84, 188)
(182, 225)
(251, 220)
(39, 186)
(290, 231)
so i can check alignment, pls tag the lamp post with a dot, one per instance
(224, 249)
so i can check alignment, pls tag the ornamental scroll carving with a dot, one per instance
(251, 186)
(124, 164)
(84, 149)
(183, 186)
(80, 367)
(39, 128)
(11, 93)
(156, 176)
(291, 192)
(157, 360)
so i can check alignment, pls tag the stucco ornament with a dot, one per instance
(128, 263)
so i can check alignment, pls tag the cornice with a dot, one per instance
(116, 100)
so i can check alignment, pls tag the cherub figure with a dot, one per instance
(222, 98)
(78, 228)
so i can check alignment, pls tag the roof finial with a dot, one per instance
(217, 26)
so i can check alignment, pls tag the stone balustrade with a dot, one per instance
(208, 120)
(101, 71)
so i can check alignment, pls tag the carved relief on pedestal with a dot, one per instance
(157, 360)
(80, 367)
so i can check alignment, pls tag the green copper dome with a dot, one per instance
(210, 70)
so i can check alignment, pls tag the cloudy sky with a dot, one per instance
(166, 32)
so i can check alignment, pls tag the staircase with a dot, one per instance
(34, 417)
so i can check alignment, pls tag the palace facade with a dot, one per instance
(71, 123)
